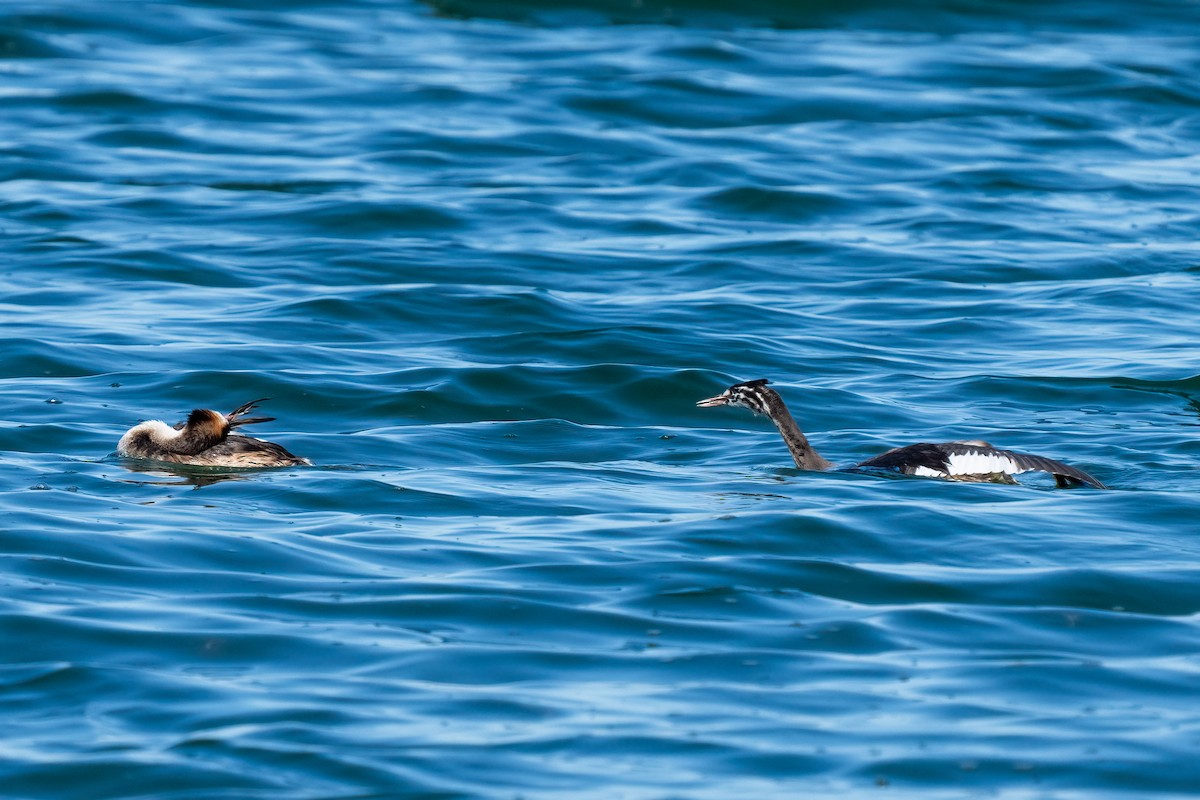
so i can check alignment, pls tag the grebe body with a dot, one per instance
(205, 439)
(969, 460)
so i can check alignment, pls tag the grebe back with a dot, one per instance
(205, 439)
(968, 460)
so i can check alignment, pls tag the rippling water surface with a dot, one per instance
(485, 257)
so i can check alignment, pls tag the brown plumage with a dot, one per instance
(205, 439)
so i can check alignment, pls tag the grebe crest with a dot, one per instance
(206, 439)
(967, 460)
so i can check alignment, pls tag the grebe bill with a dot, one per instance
(205, 439)
(968, 460)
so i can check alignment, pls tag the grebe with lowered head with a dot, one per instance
(956, 461)
(206, 440)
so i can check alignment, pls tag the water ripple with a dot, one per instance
(484, 258)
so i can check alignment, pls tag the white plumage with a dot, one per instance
(974, 462)
(159, 432)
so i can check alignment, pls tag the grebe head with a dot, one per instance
(208, 423)
(753, 395)
(204, 422)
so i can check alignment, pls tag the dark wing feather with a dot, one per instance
(1056, 468)
(246, 451)
(906, 459)
(936, 457)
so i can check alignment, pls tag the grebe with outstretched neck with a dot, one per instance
(206, 440)
(971, 460)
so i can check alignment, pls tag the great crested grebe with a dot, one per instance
(205, 440)
(957, 461)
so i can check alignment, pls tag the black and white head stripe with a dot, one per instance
(966, 460)
(751, 394)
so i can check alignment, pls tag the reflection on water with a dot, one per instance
(183, 474)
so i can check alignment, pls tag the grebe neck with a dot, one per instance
(802, 452)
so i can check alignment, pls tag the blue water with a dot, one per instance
(485, 257)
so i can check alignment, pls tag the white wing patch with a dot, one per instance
(974, 462)
(926, 472)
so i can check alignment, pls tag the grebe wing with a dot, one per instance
(974, 458)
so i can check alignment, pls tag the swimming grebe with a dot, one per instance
(957, 461)
(205, 440)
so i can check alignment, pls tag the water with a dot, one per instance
(484, 258)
